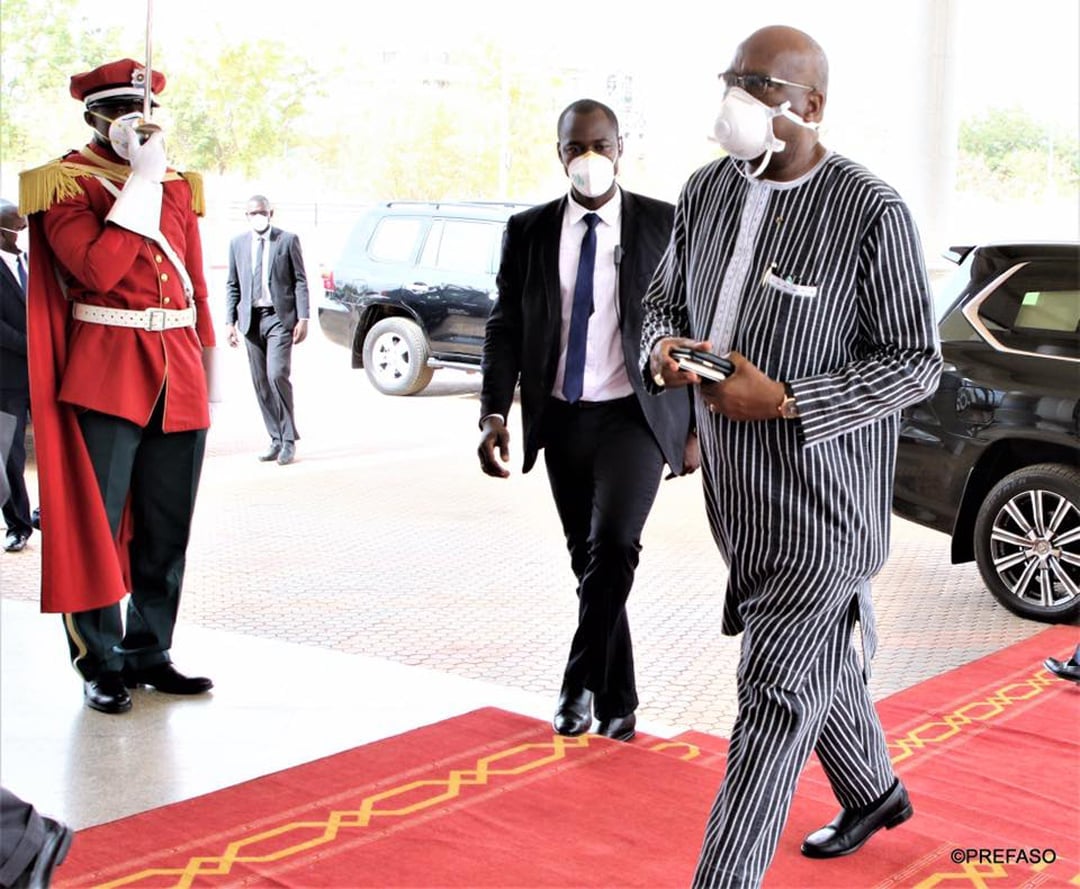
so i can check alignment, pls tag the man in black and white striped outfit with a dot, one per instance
(808, 270)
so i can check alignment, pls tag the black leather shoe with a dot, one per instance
(271, 453)
(573, 716)
(16, 541)
(107, 694)
(166, 678)
(288, 453)
(54, 849)
(1069, 669)
(619, 728)
(849, 830)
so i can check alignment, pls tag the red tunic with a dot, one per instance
(115, 370)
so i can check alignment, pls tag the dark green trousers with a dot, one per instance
(160, 472)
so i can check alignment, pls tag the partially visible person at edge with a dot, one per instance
(14, 377)
(266, 300)
(118, 320)
(566, 326)
(808, 269)
(32, 845)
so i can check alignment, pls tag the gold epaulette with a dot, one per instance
(48, 184)
(198, 195)
(42, 187)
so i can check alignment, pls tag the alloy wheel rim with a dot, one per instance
(1035, 548)
(391, 356)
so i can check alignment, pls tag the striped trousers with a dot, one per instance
(831, 714)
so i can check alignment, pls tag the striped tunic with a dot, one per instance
(820, 282)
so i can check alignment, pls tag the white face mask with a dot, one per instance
(259, 222)
(744, 127)
(116, 136)
(591, 174)
(21, 239)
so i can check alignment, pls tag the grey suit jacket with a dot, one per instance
(288, 281)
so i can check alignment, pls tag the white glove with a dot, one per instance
(148, 159)
(138, 207)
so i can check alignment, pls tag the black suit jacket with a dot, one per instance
(288, 280)
(521, 341)
(13, 372)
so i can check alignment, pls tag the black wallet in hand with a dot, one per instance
(704, 364)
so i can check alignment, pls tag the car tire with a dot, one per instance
(395, 357)
(1027, 542)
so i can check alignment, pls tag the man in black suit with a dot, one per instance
(267, 300)
(566, 326)
(14, 380)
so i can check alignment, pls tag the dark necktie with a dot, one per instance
(257, 274)
(21, 263)
(574, 375)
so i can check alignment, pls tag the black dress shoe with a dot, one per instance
(1069, 669)
(619, 728)
(166, 678)
(16, 541)
(106, 693)
(54, 849)
(288, 453)
(847, 832)
(573, 716)
(271, 453)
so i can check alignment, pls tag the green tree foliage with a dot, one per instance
(45, 42)
(240, 109)
(1008, 153)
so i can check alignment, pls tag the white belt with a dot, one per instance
(145, 319)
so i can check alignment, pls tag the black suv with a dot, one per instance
(993, 457)
(413, 289)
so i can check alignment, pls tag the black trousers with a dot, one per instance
(604, 466)
(269, 350)
(22, 834)
(161, 472)
(17, 508)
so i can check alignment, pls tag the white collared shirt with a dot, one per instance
(605, 365)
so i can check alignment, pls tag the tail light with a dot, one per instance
(328, 280)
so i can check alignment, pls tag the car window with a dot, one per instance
(1037, 309)
(394, 239)
(462, 246)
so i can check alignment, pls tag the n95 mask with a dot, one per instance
(744, 127)
(591, 174)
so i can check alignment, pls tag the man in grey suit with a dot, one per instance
(267, 301)
(14, 373)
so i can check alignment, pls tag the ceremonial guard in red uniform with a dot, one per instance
(118, 320)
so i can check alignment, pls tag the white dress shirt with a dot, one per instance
(605, 365)
(264, 302)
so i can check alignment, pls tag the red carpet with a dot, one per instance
(989, 753)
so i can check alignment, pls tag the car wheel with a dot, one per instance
(1027, 542)
(395, 357)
